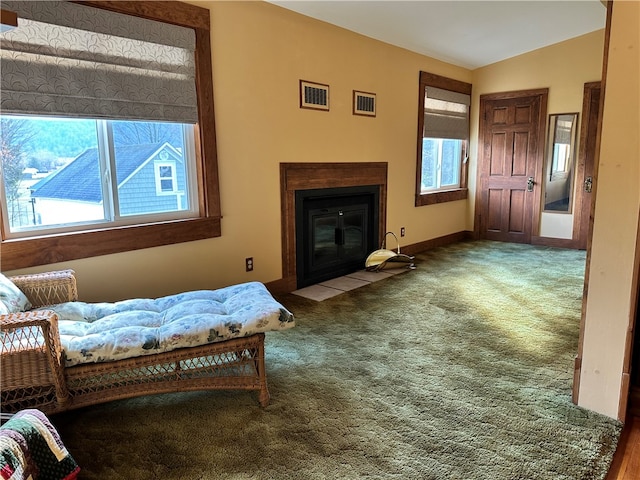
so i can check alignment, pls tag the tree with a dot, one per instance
(137, 133)
(42, 160)
(15, 134)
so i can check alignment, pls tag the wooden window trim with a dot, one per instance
(47, 249)
(441, 196)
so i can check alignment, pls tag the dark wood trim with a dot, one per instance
(280, 286)
(445, 83)
(422, 199)
(305, 176)
(553, 242)
(516, 94)
(286, 285)
(442, 197)
(61, 248)
(543, 93)
(415, 248)
(8, 18)
(176, 13)
(577, 373)
(210, 183)
(586, 145)
(47, 249)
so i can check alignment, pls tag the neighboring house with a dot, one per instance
(151, 178)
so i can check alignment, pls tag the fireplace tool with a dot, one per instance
(385, 258)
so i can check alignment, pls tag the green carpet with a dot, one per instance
(460, 369)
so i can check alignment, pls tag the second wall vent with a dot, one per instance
(364, 103)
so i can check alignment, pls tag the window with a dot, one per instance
(97, 164)
(443, 137)
(440, 163)
(165, 178)
(73, 174)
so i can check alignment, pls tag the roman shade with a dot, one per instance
(72, 60)
(563, 130)
(446, 114)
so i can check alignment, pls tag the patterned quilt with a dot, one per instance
(31, 449)
(101, 332)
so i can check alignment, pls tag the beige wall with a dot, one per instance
(260, 52)
(610, 299)
(564, 68)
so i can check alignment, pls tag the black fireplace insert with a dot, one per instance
(336, 229)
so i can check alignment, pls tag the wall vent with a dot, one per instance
(314, 95)
(364, 103)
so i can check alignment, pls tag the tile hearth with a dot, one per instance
(330, 288)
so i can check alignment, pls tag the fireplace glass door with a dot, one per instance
(336, 234)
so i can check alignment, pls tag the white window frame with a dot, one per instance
(438, 178)
(110, 200)
(159, 165)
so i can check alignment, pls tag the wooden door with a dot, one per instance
(511, 164)
(585, 177)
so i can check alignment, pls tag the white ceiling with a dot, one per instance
(470, 34)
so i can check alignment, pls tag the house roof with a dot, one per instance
(80, 179)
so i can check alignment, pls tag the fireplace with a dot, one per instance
(295, 178)
(336, 228)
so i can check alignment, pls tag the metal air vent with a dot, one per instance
(364, 103)
(314, 95)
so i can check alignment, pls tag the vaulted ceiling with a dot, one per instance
(470, 34)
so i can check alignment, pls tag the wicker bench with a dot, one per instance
(34, 374)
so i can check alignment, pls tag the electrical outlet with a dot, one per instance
(402, 231)
(249, 264)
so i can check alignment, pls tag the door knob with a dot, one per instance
(530, 184)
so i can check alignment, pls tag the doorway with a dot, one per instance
(511, 157)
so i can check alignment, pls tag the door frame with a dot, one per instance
(583, 209)
(583, 218)
(543, 93)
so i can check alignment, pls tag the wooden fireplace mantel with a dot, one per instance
(305, 176)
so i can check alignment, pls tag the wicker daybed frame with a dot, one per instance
(34, 374)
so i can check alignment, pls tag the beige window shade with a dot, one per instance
(73, 60)
(446, 114)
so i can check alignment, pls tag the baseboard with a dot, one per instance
(554, 242)
(436, 242)
(282, 285)
(289, 284)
